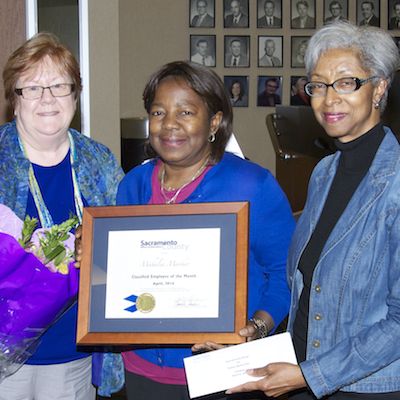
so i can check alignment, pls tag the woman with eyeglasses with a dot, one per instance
(49, 171)
(343, 264)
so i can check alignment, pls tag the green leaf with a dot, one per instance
(28, 228)
(60, 258)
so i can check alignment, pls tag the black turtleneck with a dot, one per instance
(355, 159)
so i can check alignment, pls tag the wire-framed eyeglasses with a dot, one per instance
(341, 86)
(36, 92)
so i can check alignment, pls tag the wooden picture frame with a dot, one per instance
(123, 297)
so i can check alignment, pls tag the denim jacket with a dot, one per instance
(353, 340)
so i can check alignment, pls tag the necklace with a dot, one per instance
(46, 220)
(172, 200)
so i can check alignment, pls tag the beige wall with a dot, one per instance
(155, 32)
(104, 73)
(12, 35)
(130, 39)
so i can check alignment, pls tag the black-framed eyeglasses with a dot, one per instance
(341, 86)
(36, 92)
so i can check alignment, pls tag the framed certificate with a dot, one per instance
(163, 274)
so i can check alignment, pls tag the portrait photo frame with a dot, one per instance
(393, 15)
(374, 6)
(298, 47)
(270, 51)
(203, 50)
(237, 51)
(237, 89)
(146, 279)
(264, 17)
(397, 41)
(302, 14)
(335, 10)
(298, 97)
(236, 9)
(202, 13)
(274, 95)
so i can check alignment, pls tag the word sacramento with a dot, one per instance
(158, 243)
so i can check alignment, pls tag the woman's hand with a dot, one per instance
(250, 332)
(278, 378)
(258, 327)
(206, 346)
(78, 246)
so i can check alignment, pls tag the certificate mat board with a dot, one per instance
(163, 274)
(219, 370)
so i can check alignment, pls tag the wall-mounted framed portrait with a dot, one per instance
(299, 46)
(269, 14)
(397, 41)
(236, 13)
(201, 13)
(298, 97)
(203, 50)
(270, 51)
(237, 88)
(368, 13)
(335, 10)
(237, 51)
(302, 14)
(394, 14)
(269, 91)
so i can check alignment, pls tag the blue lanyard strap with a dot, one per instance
(46, 220)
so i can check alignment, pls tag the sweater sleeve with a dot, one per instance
(272, 225)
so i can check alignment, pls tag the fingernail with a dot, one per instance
(250, 371)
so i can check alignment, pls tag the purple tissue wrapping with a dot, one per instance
(31, 296)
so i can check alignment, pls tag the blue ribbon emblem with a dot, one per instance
(132, 298)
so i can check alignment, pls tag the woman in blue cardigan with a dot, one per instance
(190, 122)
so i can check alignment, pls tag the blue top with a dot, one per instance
(60, 208)
(98, 175)
(354, 309)
(270, 229)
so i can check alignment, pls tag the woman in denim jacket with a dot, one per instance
(343, 262)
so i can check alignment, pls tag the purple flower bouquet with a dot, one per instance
(37, 284)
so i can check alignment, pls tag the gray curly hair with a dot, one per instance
(376, 48)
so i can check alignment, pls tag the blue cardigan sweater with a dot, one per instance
(270, 230)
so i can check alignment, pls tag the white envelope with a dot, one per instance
(219, 370)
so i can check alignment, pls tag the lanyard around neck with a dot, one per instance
(46, 220)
